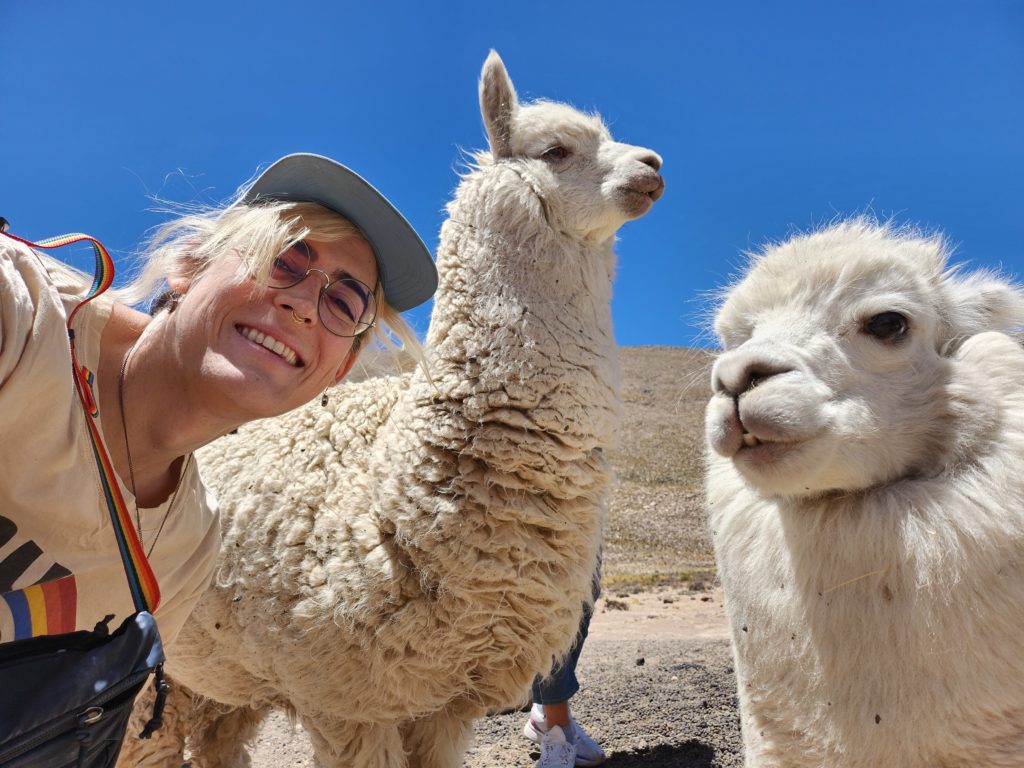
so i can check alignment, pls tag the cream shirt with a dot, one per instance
(59, 565)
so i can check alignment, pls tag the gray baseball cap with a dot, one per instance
(407, 272)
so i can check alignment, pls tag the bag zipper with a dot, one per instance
(67, 722)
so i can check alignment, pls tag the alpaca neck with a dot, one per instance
(521, 331)
(525, 390)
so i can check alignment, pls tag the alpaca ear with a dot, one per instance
(983, 302)
(498, 104)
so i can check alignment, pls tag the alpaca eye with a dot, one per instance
(555, 154)
(887, 326)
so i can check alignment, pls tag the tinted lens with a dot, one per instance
(290, 267)
(347, 307)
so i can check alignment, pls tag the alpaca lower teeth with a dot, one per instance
(749, 440)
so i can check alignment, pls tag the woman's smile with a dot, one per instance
(268, 342)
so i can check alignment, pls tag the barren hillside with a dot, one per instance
(656, 528)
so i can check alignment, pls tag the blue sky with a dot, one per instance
(771, 117)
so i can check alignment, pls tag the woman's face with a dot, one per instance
(264, 351)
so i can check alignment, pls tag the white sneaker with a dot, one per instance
(588, 751)
(555, 751)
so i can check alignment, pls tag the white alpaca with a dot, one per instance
(415, 553)
(866, 491)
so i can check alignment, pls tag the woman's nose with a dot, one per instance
(303, 298)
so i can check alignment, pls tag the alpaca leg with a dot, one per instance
(219, 737)
(166, 748)
(347, 744)
(438, 741)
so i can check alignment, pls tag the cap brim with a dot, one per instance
(407, 272)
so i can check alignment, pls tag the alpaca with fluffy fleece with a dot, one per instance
(416, 552)
(866, 492)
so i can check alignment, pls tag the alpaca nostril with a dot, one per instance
(735, 375)
(756, 377)
(758, 374)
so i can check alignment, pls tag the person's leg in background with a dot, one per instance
(551, 697)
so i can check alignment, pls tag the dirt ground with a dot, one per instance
(657, 691)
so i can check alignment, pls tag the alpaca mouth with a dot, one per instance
(656, 193)
(641, 192)
(650, 186)
(750, 440)
(636, 202)
(756, 450)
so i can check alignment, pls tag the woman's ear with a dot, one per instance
(184, 274)
(186, 270)
(179, 284)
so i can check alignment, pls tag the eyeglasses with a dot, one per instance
(346, 306)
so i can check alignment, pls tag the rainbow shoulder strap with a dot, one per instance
(141, 581)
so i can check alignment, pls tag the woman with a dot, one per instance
(270, 302)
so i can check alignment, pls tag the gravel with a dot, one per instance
(675, 710)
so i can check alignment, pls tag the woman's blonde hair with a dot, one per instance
(185, 246)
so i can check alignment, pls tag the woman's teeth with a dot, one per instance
(273, 345)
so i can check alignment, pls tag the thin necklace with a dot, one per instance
(131, 469)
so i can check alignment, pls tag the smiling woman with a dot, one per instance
(262, 305)
(268, 241)
(290, 284)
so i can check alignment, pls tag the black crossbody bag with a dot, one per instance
(65, 699)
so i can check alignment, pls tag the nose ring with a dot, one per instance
(298, 320)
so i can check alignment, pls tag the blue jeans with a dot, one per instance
(561, 685)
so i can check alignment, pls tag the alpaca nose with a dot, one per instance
(737, 372)
(651, 159)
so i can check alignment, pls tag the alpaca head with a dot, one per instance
(589, 184)
(839, 350)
